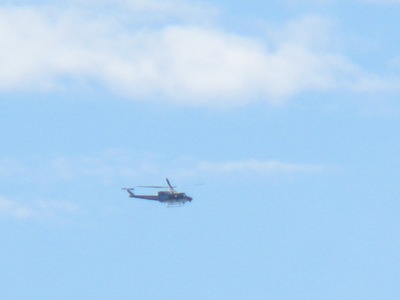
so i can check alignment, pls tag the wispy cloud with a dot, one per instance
(11, 167)
(333, 1)
(184, 61)
(382, 1)
(104, 167)
(258, 166)
(40, 210)
(118, 166)
(111, 164)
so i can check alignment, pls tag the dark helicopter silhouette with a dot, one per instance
(171, 197)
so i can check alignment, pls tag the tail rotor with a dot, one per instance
(130, 191)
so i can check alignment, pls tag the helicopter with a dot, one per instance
(171, 197)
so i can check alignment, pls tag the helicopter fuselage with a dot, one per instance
(165, 196)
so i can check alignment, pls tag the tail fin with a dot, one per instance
(129, 190)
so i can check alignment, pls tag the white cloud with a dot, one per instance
(375, 84)
(187, 62)
(146, 11)
(382, 1)
(259, 167)
(40, 210)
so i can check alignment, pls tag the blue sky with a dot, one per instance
(287, 112)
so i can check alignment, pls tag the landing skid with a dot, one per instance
(175, 204)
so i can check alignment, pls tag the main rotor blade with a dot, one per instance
(169, 184)
(153, 186)
(195, 184)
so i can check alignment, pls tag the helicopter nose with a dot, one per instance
(190, 199)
